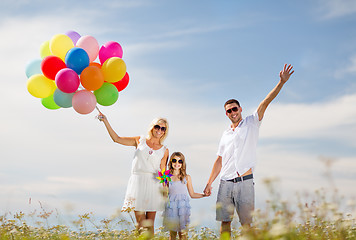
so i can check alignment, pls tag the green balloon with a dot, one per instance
(106, 95)
(49, 103)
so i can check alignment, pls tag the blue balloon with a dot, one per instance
(33, 67)
(62, 99)
(77, 59)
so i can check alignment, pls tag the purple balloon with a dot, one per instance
(74, 36)
(67, 80)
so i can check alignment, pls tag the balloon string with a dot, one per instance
(100, 117)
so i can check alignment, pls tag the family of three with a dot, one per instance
(236, 160)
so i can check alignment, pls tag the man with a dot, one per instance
(237, 159)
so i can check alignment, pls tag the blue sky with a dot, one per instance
(185, 59)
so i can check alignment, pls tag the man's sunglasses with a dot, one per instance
(158, 127)
(234, 109)
(179, 161)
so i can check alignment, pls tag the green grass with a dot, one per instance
(318, 216)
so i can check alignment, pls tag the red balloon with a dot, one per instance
(122, 84)
(51, 65)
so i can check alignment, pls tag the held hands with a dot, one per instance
(286, 73)
(207, 190)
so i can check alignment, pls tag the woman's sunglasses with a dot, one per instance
(158, 127)
(179, 161)
(234, 109)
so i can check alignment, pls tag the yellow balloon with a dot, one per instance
(114, 69)
(44, 49)
(40, 87)
(60, 44)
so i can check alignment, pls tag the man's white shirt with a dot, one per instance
(238, 147)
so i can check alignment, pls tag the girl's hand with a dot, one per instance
(165, 190)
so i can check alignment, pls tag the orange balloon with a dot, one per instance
(92, 78)
(95, 64)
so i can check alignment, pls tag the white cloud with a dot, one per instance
(127, 4)
(330, 9)
(335, 118)
(139, 49)
(189, 31)
(350, 68)
(304, 172)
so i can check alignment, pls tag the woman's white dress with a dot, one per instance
(144, 192)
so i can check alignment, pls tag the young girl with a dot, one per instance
(177, 211)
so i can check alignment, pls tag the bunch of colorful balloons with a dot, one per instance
(67, 74)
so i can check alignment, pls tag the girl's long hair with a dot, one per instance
(182, 171)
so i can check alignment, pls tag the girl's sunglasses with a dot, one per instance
(234, 109)
(179, 161)
(158, 127)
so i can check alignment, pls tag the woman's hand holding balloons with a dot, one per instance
(101, 117)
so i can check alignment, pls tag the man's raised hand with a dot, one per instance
(286, 73)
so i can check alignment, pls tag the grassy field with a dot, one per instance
(320, 215)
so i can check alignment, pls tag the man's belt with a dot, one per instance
(240, 179)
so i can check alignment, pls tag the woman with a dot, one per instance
(144, 194)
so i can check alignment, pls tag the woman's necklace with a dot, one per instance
(151, 148)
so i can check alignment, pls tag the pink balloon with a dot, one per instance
(90, 45)
(84, 102)
(108, 50)
(67, 80)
